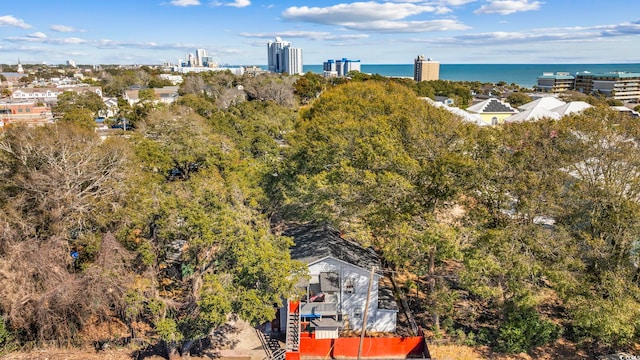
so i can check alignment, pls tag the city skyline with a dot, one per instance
(236, 32)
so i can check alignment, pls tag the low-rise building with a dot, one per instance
(623, 86)
(24, 112)
(619, 85)
(165, 95)
(492, 111)
(338, 285)
(556, 83)
(49, 94)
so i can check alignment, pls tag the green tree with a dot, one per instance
(199, 211)
(517, 99)
(601, 211)
(70, 100)
(79, 116)
(308, 87)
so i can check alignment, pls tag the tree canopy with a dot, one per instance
(518, 234)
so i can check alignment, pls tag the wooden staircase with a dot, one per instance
(292, 343)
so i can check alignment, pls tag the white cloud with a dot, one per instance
(408, 26)
(235, 3)
(506, 7)
(114, 44)
(546, 35)
(355, 12)
(10, 20)
(376, 17)
(314, 35)
(456, 2)
(42, 38)
(62, 28)
(185, 2)
(37, 35)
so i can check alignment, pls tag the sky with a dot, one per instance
(236, 32)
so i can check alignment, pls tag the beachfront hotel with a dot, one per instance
(624, 86)
(618, 85)
(425, 69)
(339, 68)
(282, 58)
(556, 83)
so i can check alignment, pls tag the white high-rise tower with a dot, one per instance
(281, 57)
(200, 55)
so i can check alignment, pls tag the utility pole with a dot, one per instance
(366, 313)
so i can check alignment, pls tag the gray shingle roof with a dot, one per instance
(316, 241)
(492, 105)
(495, 105)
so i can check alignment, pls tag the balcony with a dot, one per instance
(319, 309)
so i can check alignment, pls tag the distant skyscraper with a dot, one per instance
(200, 55)
(281, 57)
(191, 60)
(425, 69)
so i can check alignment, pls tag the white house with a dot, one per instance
(50, 94)
(339, 272)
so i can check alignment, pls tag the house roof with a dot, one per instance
(464, 116)
(532, 114)
(557, 77)
(547, 103)
(571, 107)
(313, 242)
(491, 105)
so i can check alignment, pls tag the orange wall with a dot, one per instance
(371, 347)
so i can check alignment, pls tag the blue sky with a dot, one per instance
(374, 32)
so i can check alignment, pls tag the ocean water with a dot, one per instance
(525, 75)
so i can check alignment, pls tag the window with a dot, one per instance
(357, 314)
(348, 286)
(494, 121)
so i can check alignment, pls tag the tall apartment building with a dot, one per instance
(340, 68)
(282, 58)
(425, 69)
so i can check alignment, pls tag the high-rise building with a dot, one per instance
(200, 55)
(425, 69)
(191, 60)
(281, 57)
(292, 60)
(342, 67)
(274, 55)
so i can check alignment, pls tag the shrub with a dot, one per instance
(6, 337)
(523, 329)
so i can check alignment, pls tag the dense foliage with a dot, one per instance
(167, 231)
